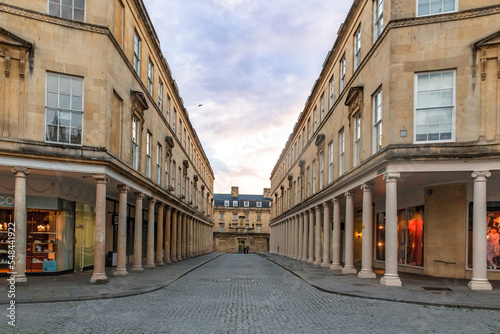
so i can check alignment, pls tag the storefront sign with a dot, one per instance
(32, 202)
(50, 266)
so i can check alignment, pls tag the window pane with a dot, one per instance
(76, 103)
(449, 5)
(76, 120)
(423, 9)
(64, 118)
(67, 12)
(435, 81)
(54, 9)
(423, 100)
(446, 115)
(447, 97)
(77, 86)
(52, 117)
(436, 7)
(65, 84)
(447, 80)
(63, 135)
(52, 82)
(433, 116)
(51, 133)
(80, 4)
(64, 101)
(79, 15)
(435, 99)
(52, 99)
(421, 129)
(67, 2)
(76, 136)
(423, 82)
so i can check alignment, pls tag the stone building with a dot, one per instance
(241, 221)
(99, 162)
(394, 161)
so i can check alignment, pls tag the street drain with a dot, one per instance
(436, 288)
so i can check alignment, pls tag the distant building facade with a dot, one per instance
(99, 162)
(241, 221)
(394, 161)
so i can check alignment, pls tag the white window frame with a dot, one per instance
(235, 203)
(315, 113)
(135, 142)
(356, 158)
(149, 138)
(438, 13)
(160, 95)
(314, 176)
(309, 129)
(246, 204)
(378, 19)
(321, 169)
(357, 48)
(73, 8)
(174, 171)
(168, 108)
(221, 228)
(308, 176)
(259, 229)
(341, 151)
(158, 163)
(322, 107)
(235, 216)
(226, 203)
(174, 121)
(332, 86)
(259, 204)
(453, 108)
(377, 120)
(74, 110)
(221, 215)
(342, 73)
(150, 76)
(167, 170)
(137, 53)
(330, 162)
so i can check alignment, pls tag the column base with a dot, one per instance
(150, 266)
(392, 280)
(325, 264)
(137, 269)
(349, 270)
(159, 264)
(98, 278)
(168, 262)
(336, 266)
(179, 259)
(366, 273)
(479, 284)
(174, 261)
(317, 263)
(310, 261)
(120, 273)
(304, 259)
(21, 280)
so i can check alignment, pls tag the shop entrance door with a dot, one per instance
(241, 246)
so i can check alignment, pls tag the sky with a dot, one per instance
(251, 65)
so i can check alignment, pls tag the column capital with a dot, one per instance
(161, 204)
(348, 194)
(100, 178)
(366, 186)
(391, 176)
(17, 170)
(325, 204)
(139, 195)
(123, 188)
(335, 200)
(479, 175)
(151, 200)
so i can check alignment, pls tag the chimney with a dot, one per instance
(267, 192)
(234, 192)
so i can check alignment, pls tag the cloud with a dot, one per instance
(251, 63)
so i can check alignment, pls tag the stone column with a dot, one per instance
(150, 256)
(121, 256)
(336, 236)
(190, 238)
(311, 236)
(159, 236)
(301, 236)
(167, 241)
(326, 235)
(290, 238)
(479, 279)
(179, 235)
(317, 237)
(20, 226)
(305, 239)
(184, 236)
(173, 245)
(99, 275)
(137, 266)
(367, 234)
(195, 241)
(349, 235)
(285, 231)
(391, 277)
(295, 239)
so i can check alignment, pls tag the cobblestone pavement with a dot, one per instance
(245, 294)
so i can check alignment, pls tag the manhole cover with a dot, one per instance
(436, 288)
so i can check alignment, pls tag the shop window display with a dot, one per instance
(6, 217)
(380, 250)
(492, 235)
(410, 236)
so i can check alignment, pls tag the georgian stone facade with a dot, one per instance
(393, 163)
(241, 221)
(106, 152)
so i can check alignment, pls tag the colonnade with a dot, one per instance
(307, 235)
(180, 235)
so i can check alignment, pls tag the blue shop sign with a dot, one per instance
(49, 266)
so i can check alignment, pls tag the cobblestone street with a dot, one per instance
(245, 294)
